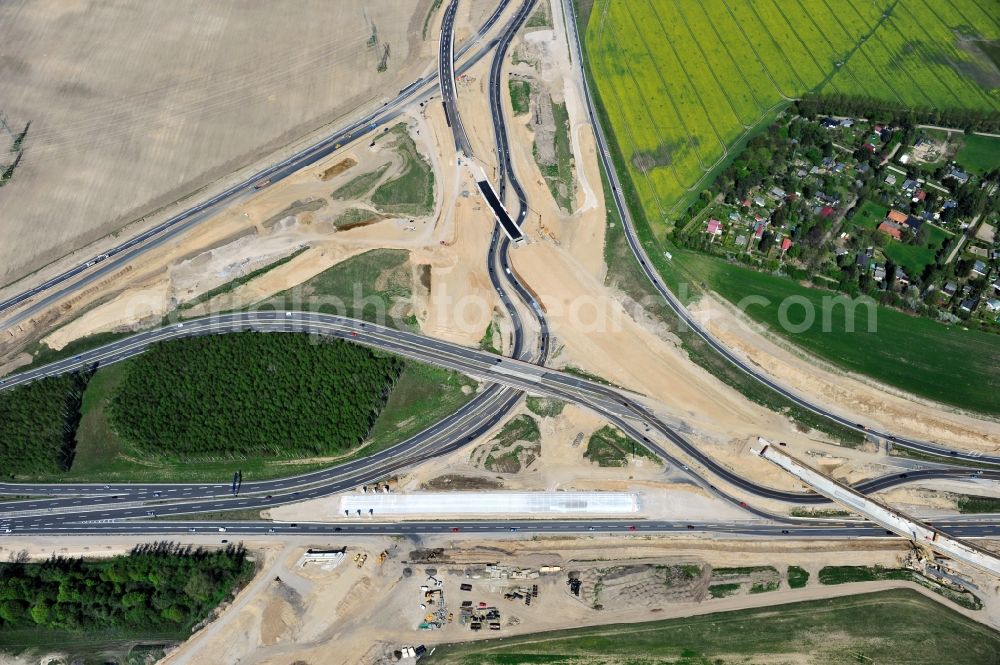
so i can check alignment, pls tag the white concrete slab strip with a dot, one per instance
(493, 503)
(889, 518)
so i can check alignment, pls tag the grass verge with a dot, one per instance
(897, 626)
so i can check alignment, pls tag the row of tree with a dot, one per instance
(38, 424)
(976, 120)
(251, 395)
(158, 588)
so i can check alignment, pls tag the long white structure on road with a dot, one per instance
(492, 503)
(891, 519)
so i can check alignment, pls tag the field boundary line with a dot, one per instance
(835, 69)
(805, 47)
(687, 77)
(968, 84)
(777, 47)
(736, 66)
(635, 146)
(886, 20)
(666, 88)
(697, 42)
(983, 11)
(859, 47)
(656, 128)
(756, 53)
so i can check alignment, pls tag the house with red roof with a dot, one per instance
(891, 229)
(896, 217)
(785, 244)
(714, 227)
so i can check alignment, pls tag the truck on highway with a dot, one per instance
(262, 183)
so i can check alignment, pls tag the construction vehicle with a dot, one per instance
(382, 557)
(261, 184)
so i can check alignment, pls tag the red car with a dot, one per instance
(631, 528)
(455, 529)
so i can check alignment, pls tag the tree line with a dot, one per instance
(38, 424)
(973, 120)
(158, 588)
(251, 394)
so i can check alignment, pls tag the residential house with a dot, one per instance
(950, 289)
(896, 217)
(979, 269)
(902, 277)
(890, 179)
(958, 174)
(879, 273)
(996, 285)
(914, 223)
(777, 192)
(846, 122)
(969, 305)
(909, 185)
(785, 244)
(891, 229)
(993, 305)
(830, 123)
(863, 167)
(714, 227)
(734, 216)
(826, 212)
(759, 201)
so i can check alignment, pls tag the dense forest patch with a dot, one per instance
(251, 394)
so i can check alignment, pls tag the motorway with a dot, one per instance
(95, 508)
(119, 256)
(446, 75)
(87, 502)
(687, 319)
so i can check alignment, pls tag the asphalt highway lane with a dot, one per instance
(619, 407)
(640, 254)
(117, 257)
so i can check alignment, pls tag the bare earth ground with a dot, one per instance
(353, 614)
(132, 107)
(593, 328)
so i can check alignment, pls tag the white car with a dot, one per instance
(222, 529)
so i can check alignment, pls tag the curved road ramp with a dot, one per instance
(889, 518)
(492, 503)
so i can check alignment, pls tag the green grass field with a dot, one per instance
(687, 79)
(979, 154)
(912, 258)
(949, 365)
(898, 627)
(412, 191)
(422, 396)
(680, 85)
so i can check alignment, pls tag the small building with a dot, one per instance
(909, 185)
(891, 229)
(896, 216)
(714, 227)
(958, 175)
(863, 167)
(979, 269)
(993, 305)
(846, 122)
(777, 192)
(759, 201)
(741, 241)
(920, 195)
(890, 179)
(830, 123)
(758, 229)
(950, 289)
(734, 216)
(840, 251)
(879, 274)
(968, 305)
(914, 223)
(902, 277)
(996, 285)
(785, 244)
